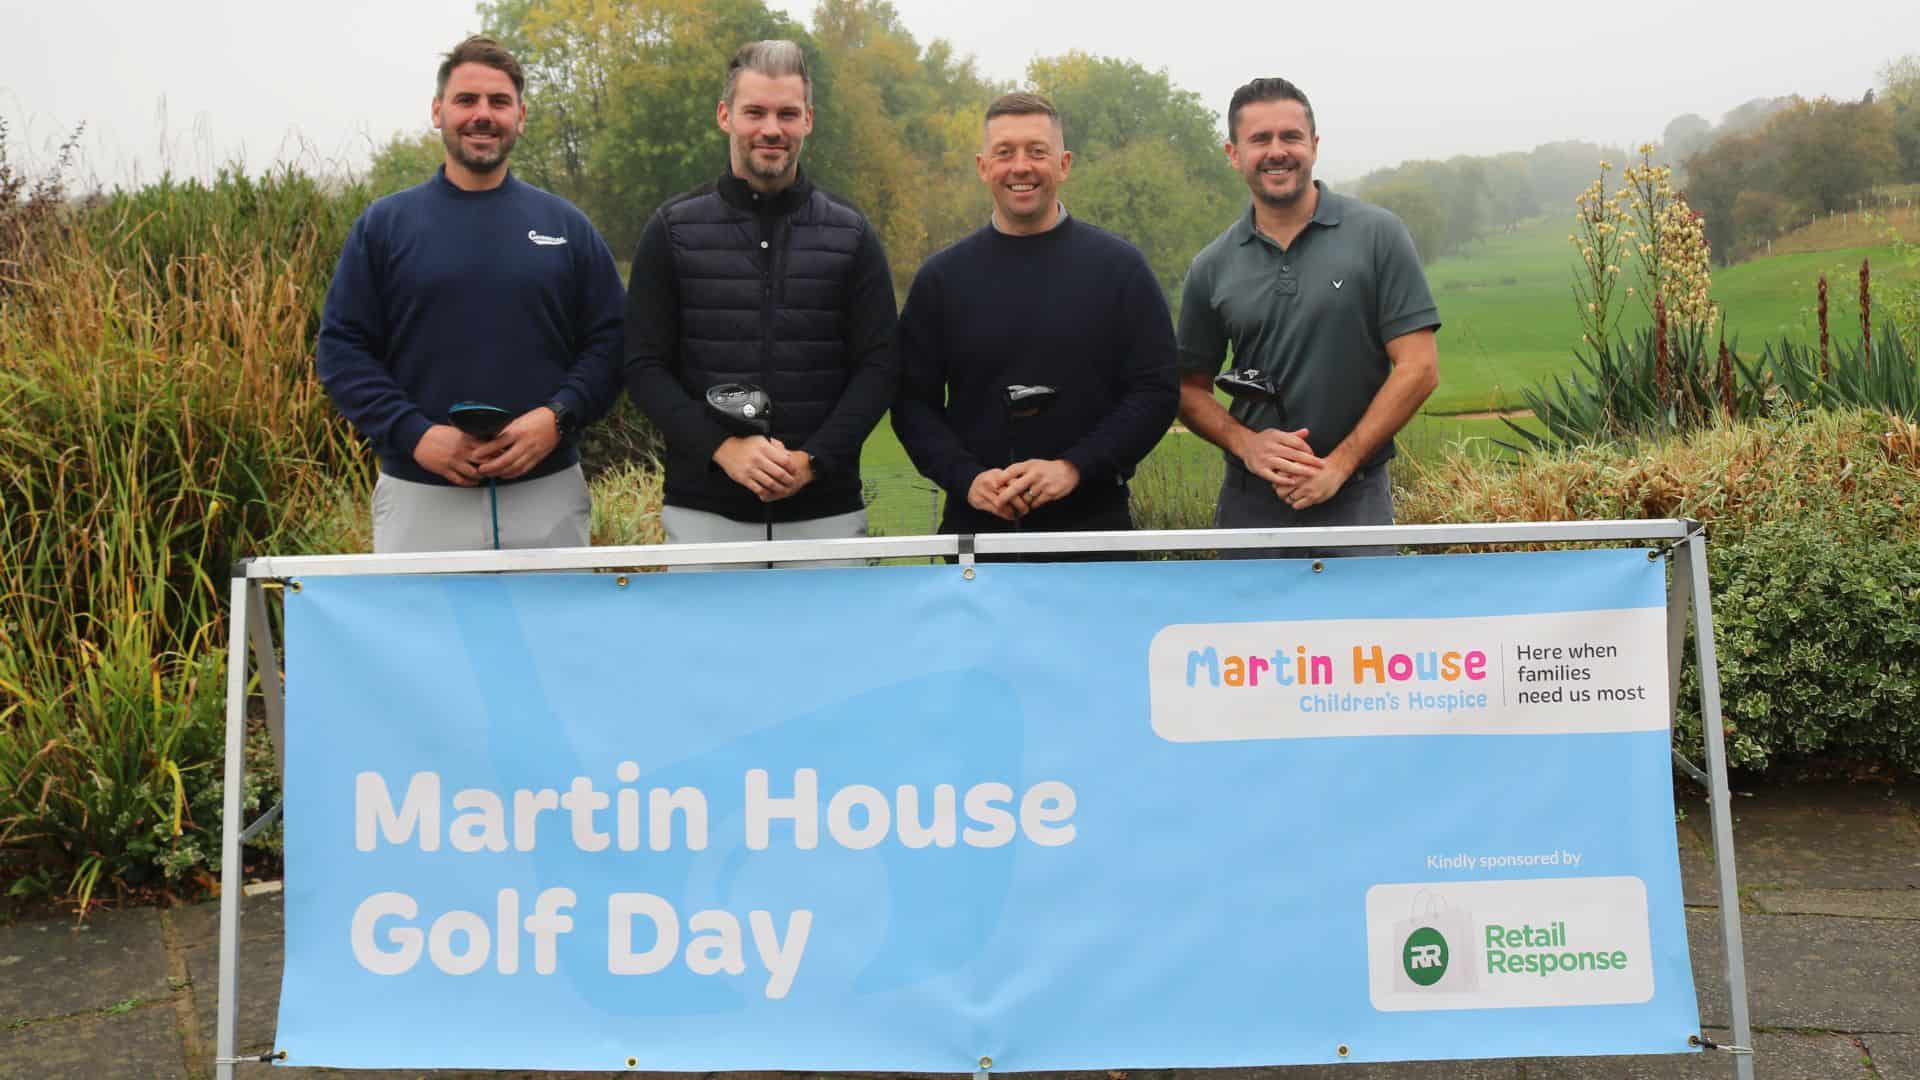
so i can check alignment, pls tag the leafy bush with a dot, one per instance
(1813, 523)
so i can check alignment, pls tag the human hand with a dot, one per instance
(1315, 488)
(987, 493)
(758, 464)
(448, 452)
(1279, 457)
(800, 465)
(1039, 482)
(522, 444)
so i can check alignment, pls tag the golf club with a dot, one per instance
(483, 422)
(1251, 385)
(744, 409)
(1024, 403)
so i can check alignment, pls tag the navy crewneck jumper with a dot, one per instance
(507, 297)
(1075, 308)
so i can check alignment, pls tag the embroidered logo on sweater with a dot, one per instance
(545, 241)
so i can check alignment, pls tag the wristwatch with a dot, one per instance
(564, 419)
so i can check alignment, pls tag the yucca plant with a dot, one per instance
(1878, 373)
(1643, 389)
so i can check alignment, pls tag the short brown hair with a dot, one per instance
(775, 59)
(1265, 90)
(483, 50)
(1021, 103)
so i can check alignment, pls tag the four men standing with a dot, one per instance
(1036, 361)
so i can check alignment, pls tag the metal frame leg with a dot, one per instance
(1715, 738)
(244, 593)
(260, 634)
(1679, 608)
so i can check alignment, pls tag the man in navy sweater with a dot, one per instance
(474, 287)
(1036, 297)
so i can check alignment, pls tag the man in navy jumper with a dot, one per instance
(474, 287)
(762, 278)
(1035, 297)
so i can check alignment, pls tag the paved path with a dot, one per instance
(1830, 883)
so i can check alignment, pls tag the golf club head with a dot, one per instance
(1249, 384)
(742, 408)
(1025, 401)
(478, 419)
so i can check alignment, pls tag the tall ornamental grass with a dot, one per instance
(161, 420)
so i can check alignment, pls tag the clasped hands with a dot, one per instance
(1300, 478)
(764, 466)
(1023, 487)
(461, 459)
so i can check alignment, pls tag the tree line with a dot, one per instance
(1802, 158)
(621, 117)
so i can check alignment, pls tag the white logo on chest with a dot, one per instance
(545, 241)
(1337, 283)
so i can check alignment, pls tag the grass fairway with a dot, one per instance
(1510, 319)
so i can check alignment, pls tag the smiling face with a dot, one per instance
(1023, 164)
(479, 116)
(1274, 148)
(767, 123)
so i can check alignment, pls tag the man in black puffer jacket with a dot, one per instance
(762, 278)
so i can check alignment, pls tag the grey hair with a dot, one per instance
(773, 59)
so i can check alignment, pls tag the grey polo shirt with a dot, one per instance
(1317, 315)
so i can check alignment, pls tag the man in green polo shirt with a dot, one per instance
(1324, 295)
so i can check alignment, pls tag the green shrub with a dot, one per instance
(1813, 525)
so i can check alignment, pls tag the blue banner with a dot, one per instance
(1139, 814)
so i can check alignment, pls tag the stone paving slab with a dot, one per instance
(259, 1015)
(1777, 1057)
(55, 969)
(1823, 836)
(1699, 881)
(1848, 903)
(1895, 1057)
(1810, 971)
(143, 1043)
(261, 917)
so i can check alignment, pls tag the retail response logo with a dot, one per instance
(1508, 944)
(1425, 956)
(545, 241)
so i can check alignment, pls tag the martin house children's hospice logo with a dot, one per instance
(1508, 944)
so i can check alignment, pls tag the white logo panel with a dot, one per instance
(1559, 673)
(1508, 944)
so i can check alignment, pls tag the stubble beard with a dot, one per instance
(788, 169)
(457, 149)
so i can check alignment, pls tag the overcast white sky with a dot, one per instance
(188, 84)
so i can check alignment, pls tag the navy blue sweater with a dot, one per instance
(1075, 308)
(507, 297)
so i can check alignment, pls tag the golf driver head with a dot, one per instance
(1249, 384)
(742, 408)
(478, 419)
(1025, 401)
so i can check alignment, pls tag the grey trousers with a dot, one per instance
(551, 512)
(1248, 502)
(686, 526)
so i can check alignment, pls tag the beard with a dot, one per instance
(480, 161)
(786, 168)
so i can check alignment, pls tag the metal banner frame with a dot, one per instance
(250, 649)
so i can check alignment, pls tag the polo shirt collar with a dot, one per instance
(1326, 211)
